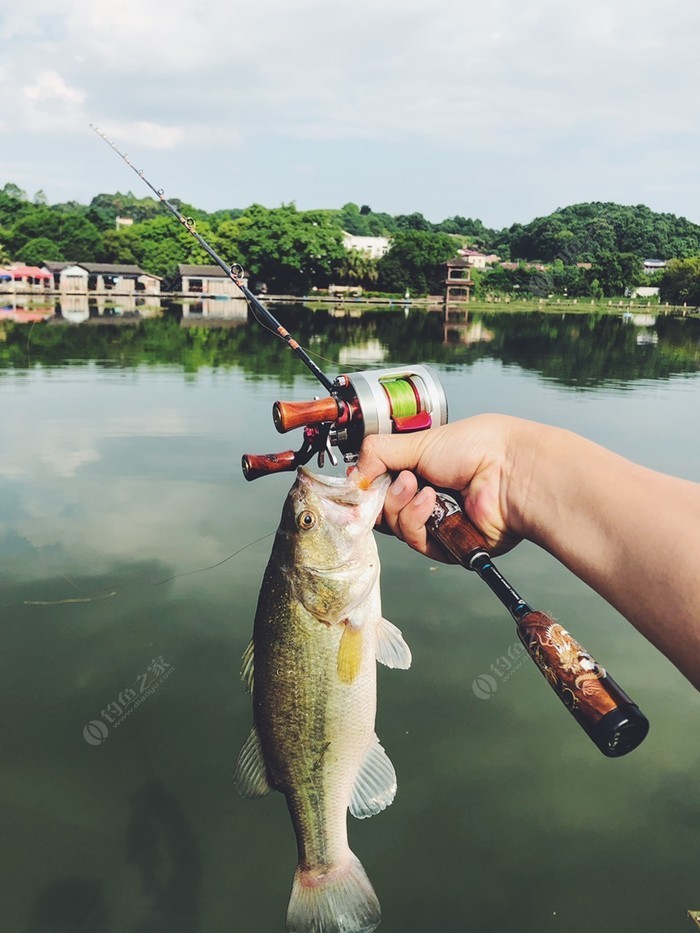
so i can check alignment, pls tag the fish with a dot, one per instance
(311, 669)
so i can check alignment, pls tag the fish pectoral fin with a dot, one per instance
(248, 666)
(250, 773)
(392, 650)
(375, 784)
(350, 653)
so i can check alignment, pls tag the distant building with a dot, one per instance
(101, 277)
(476, 259)
(654, 265)
(644, 292)
(68, 277)
(122, 222)
(19, 278)
(372, 246)
(458, 281)
(207, 280)
(120, 279)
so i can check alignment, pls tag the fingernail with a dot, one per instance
(398, 486)
(422, 496)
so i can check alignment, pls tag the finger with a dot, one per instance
(412, 519)
(398, 496)
(380, 453)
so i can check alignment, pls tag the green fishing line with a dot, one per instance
(402, 397)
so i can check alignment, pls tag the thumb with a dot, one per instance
(392, 452)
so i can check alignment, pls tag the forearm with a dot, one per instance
(630, 533)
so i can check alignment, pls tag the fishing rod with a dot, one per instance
(404, 400)
(233, 270)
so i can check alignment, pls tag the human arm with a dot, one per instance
(629, 532)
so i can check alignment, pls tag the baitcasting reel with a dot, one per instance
(379, 401)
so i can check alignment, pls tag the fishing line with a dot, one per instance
(176, 576)
(402, 397)
(190, 573)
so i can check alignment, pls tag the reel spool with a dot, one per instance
(381, 401)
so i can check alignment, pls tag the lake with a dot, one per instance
(132, 553)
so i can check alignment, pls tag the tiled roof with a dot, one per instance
(212, 272)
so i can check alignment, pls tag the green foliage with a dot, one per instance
(40, 250)
(616, 272)
(287, 250)
(157, 245)
(680, 282)
(363, 221)
(589, 232)
(356, 269)
(416, 261)
(10, 190)
(291, 251)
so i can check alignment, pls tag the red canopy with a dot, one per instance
(33, 271)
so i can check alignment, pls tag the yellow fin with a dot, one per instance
(350, 654)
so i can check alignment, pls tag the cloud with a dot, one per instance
(49, 86)
(472, 81)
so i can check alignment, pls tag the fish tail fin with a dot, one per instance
(341, 900)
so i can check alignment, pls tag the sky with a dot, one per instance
(503, 110)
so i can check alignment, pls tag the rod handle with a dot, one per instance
(290, 415)
(449, 525)
(257, 465)
(599, 705)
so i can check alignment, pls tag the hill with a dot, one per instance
(588, 232)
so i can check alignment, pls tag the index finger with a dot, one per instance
(382, 452)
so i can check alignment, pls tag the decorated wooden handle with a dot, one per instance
(599, 705)
(257, 465)
(594, 699)
(290, 415)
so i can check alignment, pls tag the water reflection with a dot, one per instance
(577, 350)
(122, 506)
(71, 905)
(162, 846)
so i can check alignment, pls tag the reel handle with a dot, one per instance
(603, 710)
(290, 415)
(257, 465)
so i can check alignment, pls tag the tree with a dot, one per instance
(416, 261)
(79, 239)
(287, 249)
(680, 283)
(415, 221)
(355, 268)
(11, 190)
(616, 272)
(40, 250)
(157, 245)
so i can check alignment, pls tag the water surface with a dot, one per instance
(120, 483)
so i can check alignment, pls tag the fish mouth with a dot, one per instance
(351, 483)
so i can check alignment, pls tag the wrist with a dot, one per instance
(529, 452)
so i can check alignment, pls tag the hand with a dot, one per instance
(476, 458)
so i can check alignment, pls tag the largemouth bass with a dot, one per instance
(311, 668)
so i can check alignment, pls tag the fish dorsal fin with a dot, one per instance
(392, 650)
(250, 773)
(248, 666)
(375, 784)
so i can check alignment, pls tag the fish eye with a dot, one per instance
(306, 520)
